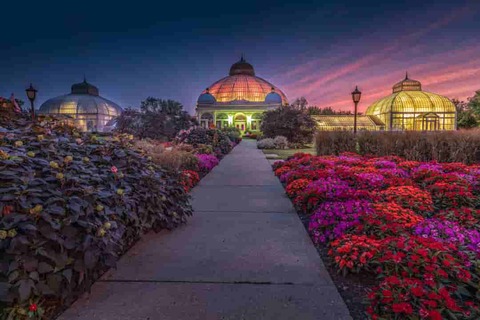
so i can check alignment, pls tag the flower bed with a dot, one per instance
(71, 203)
(412, 225)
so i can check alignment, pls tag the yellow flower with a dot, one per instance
(4, 155)
(18, 143)
(37, 209)
(120, 192)
(12, 233)
(40, 137)
(60, 176)
(107, 225)
(68, 159)
(31, 154)
(53, 164)
(3, 234)
(101, 232)
(99, 207)
(86, 159)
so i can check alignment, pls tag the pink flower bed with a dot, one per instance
(414, 225)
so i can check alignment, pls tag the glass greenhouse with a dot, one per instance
(90, 111)
(410, 108)
(345, 122)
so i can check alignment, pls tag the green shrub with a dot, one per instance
(294, 124)
(233, 133)
(216, 138)
(446, 146)
(70, 204)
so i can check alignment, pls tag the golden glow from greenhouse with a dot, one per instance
(410, 108)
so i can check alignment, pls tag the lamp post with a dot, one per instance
(31, 94)
(356, 98)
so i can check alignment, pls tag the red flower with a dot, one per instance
(114, 169)
(402, 307)
(33, 307)
(7, 210)
(435, 315)
(417, 291)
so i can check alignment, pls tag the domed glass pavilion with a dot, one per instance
(90, 111)
(238, 100)
(410, 108)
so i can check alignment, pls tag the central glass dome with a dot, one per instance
(242, 85)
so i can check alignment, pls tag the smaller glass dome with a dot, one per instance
(90, 111)
(206, 98)
(273, 97)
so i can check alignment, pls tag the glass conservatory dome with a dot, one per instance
(90, 111)
(410, 108)
(242, 85)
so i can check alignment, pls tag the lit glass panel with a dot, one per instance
(243, 87)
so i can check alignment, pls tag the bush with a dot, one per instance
(280, 142)
(297, 126)
(218, 139)
(233, 133)
(267, 143)
(70, 204)
(176, 160)
(458, 146)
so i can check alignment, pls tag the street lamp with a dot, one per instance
(356, 98)
(31, 94)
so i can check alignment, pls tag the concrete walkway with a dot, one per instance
(243, 255)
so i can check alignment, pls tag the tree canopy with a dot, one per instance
(156, 119)
(293, 123)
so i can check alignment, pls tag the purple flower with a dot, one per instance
(333, 219)
(330, 189)
(206, 162)
(449, 231)
(385, 164)
(370, 180)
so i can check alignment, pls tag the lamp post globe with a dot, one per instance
(31, 94)
(356, 95)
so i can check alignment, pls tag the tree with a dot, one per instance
(466, 117)
(300, 103)
(294, 124)
(466, 120)
(474, 103)
(130, 121)
(156, 119)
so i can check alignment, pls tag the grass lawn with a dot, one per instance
(284, 154)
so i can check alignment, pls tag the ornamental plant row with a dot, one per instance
(70, 204)
(415, 225)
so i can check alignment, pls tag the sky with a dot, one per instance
(317, 49)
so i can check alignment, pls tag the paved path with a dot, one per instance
(243, 255)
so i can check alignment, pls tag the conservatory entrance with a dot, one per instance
(240, 122)
(429, 122)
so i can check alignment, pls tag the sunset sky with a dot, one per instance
(316, 49)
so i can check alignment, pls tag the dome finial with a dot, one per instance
(208, 90)
(242, 59)
(406, 75)
(84, 78)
